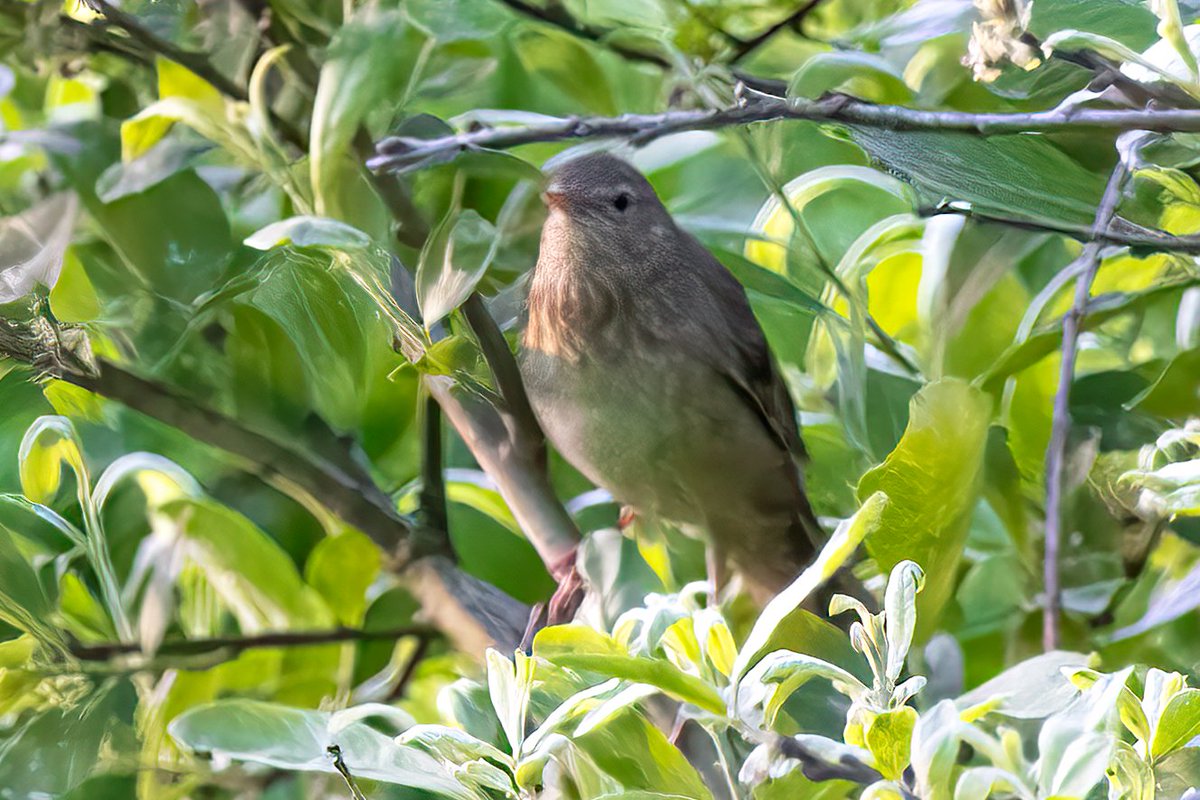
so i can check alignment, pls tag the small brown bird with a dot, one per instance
(650, 374)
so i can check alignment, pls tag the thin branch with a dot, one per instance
(353, 498)
(400, 154)
(350, 494)
(196, 62)
(795, 19)
(506, 373)
(432, 511)
(1133, 236)
(518, 471)
(236, 644)
(410, 669)
(1060, 426)
(818, 768)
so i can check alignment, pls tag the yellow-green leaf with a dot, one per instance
(889, 738)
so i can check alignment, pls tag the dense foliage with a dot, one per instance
(273, 514)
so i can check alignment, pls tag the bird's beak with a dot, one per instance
(553, 197)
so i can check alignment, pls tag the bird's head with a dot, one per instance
(600, 192)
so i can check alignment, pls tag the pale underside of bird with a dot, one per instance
(649, 373)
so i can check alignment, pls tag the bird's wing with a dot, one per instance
(739, 351)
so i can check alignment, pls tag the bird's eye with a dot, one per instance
(621, 201)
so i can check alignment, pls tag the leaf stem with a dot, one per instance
(340, 765)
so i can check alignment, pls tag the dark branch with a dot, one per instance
(1060, 427)
(353, 498)
(557, 16)
(196, 62)
(410, 669)
(817, 768)
(1129, 235)
(348, 492)
(237, 644)
(432, 512)
(400, 154)
(793, 20)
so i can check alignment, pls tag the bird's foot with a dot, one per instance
(563, 603)
(626, 517)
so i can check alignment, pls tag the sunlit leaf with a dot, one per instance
(581, 648)
(33, 244)
(932, 478)
(308, 232)
(837, 550)
(455, 258)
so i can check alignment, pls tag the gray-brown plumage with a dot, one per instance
(651, 375)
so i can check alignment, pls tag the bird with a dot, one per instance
(649, 373)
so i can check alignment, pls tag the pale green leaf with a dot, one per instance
(578, 647)
(305, 231)
(889, 738)
(298, 739)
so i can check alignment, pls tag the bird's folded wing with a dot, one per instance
(738, 350)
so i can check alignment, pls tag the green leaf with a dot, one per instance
(456, 20)
(81, 613)
(342, 568)
(509, 684)
(453, 261)
(72, 740)
(981, 783)
(172, 238)
(933, 479)
(297, 739)
(1178, 725)
(639, 755)
(151, 168)
(340, 337)
(1024, 176)
(934, 749)
(251, 574)
(1031, 689)
(579, 647)
(50, 443)
(889, 738)
(160, 479)
(767, 283)
(305, 231)
(450, 745)
(1175, 393)
(35, 243)
(863, 75)
(24, 603)
(792, 670)
(176, 80)
(833, 555)
(900, 607)
(1047, 338)
(368, 66)
(1130, 775)
(1129, 22)
(563, 61)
